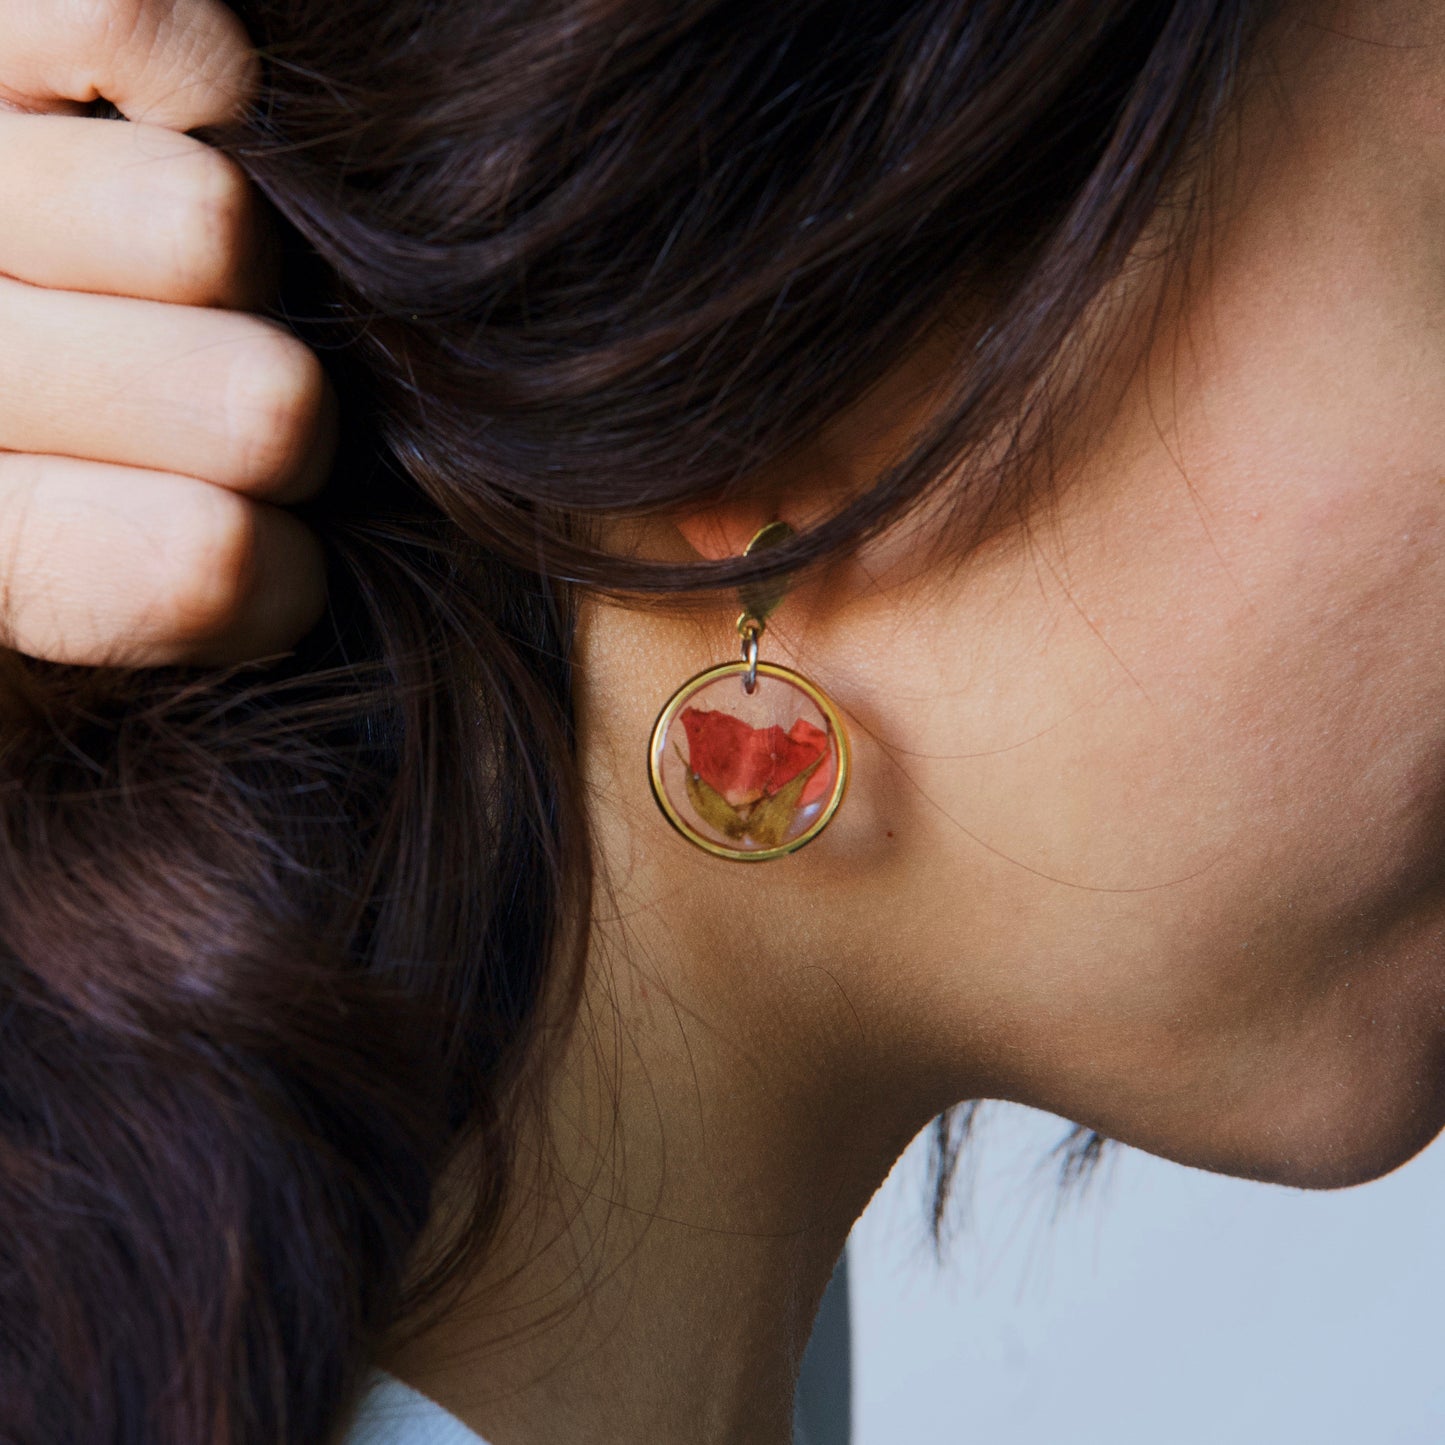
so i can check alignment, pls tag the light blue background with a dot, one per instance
(1167, 1306)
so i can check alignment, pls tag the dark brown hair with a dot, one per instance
(275, 942)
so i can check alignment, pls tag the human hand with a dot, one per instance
(149, 427)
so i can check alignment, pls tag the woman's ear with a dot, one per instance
(723, 530)
(845, 458)
(801, 490)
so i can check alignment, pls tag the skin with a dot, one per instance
(148, 427)
(1148, 793)
(1146, 822)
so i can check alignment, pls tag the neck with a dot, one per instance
(672, 1228)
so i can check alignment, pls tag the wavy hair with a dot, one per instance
(279, 944)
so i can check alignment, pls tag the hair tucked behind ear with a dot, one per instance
(280, 944)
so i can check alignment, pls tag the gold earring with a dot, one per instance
(749, 760)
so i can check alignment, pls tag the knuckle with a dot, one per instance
(276, 392)
(210, 564)
(209, 225)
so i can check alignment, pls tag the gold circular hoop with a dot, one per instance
(658, 746)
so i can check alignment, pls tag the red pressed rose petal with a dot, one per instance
(745, 763)
(728, 755)
(821, 783)
(718, 752)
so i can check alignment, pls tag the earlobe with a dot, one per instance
(725, 529)
(802, 489)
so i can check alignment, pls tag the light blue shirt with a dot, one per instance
(392, 1413)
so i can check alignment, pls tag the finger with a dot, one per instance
(214, 394)
(131, 210)
(175, 63)
(109, 565)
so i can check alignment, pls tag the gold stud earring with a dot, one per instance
(749, 760)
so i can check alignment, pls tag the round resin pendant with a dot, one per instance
(749, 776)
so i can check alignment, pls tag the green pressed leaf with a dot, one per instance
(714, 809)
(769, 819)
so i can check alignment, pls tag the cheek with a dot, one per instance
(1310, 703)
(1180, 794)
(1275, 697)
